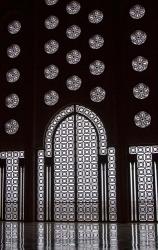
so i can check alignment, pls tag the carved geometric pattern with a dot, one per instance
(145, 189)
(112, 185)
(73, 56)
(51, 46)
(97, 67)
(141, 91)
(73, 82)
(87, 170)
(12, 101)
(97, 94)
(13, 51)
(51, 98)
(64, 195)
(140, 64)
(138, 37)
(99, 126)
(11, 200)
(51, 128)
(137, 11)
(14, 27)
(95, 17)
(40, 186)
(73, 32)
(81, 110)
(51, 22)
(73, 7)
(76, 141)
(96, 42)
(11, 127)
(51, 2)
(142, 119)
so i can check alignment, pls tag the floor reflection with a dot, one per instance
(14, 235)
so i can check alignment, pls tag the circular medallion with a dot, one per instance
(13, 75)
(51, 47)
(96, 42)
(51, 2)
(73, 32)
(97, 67)
(51, 71)
(11, 127)
(142, 119)
(96, 16)
(138, 37)
(141, 91)
(51, 98)
(14, 27)
(12, 101)
(13, 51)
(51, 22)
(73, 7)
(97, 94)
(139, 64)
(73, 57)
(137, 11)
(73, 82)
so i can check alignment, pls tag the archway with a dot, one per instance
(77, 183)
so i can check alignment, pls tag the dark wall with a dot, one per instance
(118, 109)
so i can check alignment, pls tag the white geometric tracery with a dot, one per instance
(137, 11)
(51, 128)
(51, 2)
(142, 119)
(141, 91)
(13, 51)
(73, 32)
(51, 71)
(51, 46)
(97, 94)
(64, 192)
(73, 56)
(51, 98)
(73, 82)
(13, 181)
(96, 16)
(96, 42)
(112, 184)
(40, 185)
(75, 139)
(97, 67)
(12, 101)
(14, 27)
(99, 126)
(144, 187)
(138, 37)
(139, 63)
(51, 22)
(11, 127)
(87, 170)
(73, 7)
(81, 110)
(13, 75)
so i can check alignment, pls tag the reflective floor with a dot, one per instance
(14, 235)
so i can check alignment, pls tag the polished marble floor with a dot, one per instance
(81, 236)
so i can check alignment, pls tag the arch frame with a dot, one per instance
(75, 109)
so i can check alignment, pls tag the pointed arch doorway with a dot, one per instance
(77, 185)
